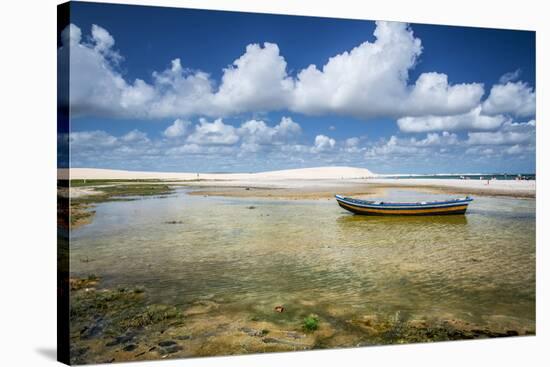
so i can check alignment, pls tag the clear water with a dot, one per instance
(312, 254)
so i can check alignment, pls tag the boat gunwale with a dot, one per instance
(396, 205)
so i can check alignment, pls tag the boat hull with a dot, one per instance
(455, 207)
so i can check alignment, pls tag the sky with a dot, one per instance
(167, 89)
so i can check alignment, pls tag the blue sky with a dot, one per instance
(167, 89)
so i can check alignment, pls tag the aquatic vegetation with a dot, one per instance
(121, 324)
(81, 283)
(311, 323)
(174, 222)
(99, 182)
(151, 315)
(134, 190)
(116, 316)
(81, 212)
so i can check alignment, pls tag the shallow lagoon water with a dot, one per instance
(313, 256)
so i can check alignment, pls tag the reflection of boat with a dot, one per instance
(402, 222)
(365, 207)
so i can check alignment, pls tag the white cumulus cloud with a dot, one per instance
(509, 134)
(323, 144)
(360, 81)
(510, 77)
(177, 129)
(258, 132)
(516, 98)
(213, 133)
(135, 136)
(256, 81)
(515, 149)
(372, 80)
(392, 147)
(432, 94)
(473, 120)
(91, 139)
(369, 80)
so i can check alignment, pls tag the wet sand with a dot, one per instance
(326, 189)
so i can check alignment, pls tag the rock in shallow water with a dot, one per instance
(129, 347)
(90, 332)
(171, 349)
(167, 343)
(122, 339)
(253, 332)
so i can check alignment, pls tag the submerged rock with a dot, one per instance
(122, 339)
(91, 332)
(169, 347)
(172, 349)
(201, 307)
(253, 332)
(284, 342)
(129, 347)
(167, 343)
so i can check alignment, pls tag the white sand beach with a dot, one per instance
(323, 181)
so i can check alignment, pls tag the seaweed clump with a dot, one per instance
(116, 319)
(311, 323)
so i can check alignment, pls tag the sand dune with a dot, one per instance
(302, 174)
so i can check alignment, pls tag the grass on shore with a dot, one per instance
(100, 182)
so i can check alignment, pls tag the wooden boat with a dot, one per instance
(365, 207)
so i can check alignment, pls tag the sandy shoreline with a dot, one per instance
(312, 183)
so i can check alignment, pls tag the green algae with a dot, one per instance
(311, 323)
(81, 208)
